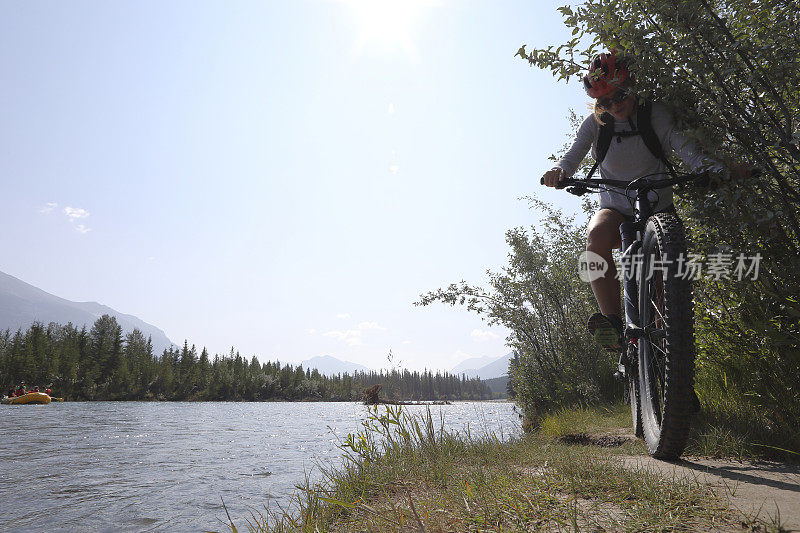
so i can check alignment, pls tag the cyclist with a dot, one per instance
(627, 157)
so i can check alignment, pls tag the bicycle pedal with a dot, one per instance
(655, 333)
(633, 331)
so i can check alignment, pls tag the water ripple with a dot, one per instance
(127, 466)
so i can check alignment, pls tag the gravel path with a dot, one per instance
(769, 489)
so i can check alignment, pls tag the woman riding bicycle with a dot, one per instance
(637, 126)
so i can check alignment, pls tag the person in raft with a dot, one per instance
(643, 135)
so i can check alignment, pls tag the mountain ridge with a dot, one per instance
(498, 367)
(472, 364)
(22, 304)
(329, 365)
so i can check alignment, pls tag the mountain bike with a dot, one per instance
(658, 354)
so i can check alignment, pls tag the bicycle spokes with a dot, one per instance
(655, 337)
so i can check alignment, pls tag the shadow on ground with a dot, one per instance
(768, 489)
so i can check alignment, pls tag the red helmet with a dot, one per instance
(606, 74)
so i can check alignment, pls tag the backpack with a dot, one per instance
(645, 129)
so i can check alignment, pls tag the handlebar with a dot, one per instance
(582, 186)
(636, 184)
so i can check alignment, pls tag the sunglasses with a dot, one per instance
(615, 98)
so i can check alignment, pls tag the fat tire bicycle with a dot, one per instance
(658, 354)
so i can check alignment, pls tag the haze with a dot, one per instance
(282, 177)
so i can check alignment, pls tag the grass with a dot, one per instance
(721, 430)
(408, 473)
(582, 419)
(736, 430)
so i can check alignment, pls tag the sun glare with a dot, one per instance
(387, 23)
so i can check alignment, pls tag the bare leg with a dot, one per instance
(602, 237)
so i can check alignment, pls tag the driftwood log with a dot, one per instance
(370, 396)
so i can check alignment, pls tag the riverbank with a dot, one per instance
(576, 472)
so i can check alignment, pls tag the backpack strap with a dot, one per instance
(603, 141)
(645, 129)
(651, 140)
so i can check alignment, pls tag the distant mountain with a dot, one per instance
(22, 304)
(497, 367)
(471, 365)
(330, 366)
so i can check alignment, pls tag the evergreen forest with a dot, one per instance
(104, 364)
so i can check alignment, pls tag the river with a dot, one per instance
(162, 466)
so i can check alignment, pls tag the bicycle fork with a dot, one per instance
(630, 235)
(631, 244)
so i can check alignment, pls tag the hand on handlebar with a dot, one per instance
(552, 177)
(734, 172)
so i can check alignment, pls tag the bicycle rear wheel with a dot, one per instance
(666, 350)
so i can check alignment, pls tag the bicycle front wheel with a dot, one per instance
(666, 349)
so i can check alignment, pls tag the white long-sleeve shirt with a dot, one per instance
(629, 158)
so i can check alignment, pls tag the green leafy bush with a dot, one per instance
(544, 304)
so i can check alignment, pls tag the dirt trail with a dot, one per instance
(766, 488)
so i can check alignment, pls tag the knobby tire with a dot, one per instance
(666, 361)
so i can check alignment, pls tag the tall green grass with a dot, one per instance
(405, 472)
(585, 419)
(730, 428)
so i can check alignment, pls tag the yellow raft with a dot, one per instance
(31, 397)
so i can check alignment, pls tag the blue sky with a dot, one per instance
(285, 177)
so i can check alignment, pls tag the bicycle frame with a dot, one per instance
(631, 235)
(631, 238)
